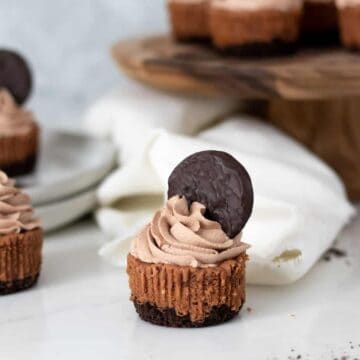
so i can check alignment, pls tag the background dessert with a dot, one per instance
(320, 22)
(19, 137)
(261, 26)
(189, 18)
(19, 132)
(20, 239)
(349, 17)
(185, 268)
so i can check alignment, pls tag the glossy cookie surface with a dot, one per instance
(218, 181)
(15, 75)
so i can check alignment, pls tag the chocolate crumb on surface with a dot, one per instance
(334, 253)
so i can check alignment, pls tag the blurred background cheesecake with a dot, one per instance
(320, 22)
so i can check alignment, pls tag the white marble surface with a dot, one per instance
(80, 310)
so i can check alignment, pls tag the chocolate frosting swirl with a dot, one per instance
(16, 213)
(182, 236)
(13, 119)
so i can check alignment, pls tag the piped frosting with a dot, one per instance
(321, 1)
(196, 2)
(16, 212)
(13, 119)
(347, 3)
(255, 5)
(182, 236)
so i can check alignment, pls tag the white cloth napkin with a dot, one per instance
(300, 204)
(129, 114)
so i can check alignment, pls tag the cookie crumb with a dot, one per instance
(334, 253)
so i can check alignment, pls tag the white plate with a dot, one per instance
(69, 163)
(59, 214)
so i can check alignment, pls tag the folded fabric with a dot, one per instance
(300, 204)
(129, 114)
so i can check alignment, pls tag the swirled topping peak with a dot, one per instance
(182, 236)
(16, 213)
(13, 119)
(253, 5)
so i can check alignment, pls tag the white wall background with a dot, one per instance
(67, 43)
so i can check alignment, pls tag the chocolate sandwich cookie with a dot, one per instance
(220, 183)
(15, 75)
(187, 267)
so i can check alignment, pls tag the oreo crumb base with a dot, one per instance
(169, 318)
(324, 39)
(14, 286)
(18, 168)
(259, 50)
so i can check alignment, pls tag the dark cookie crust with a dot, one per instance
(218, 181)
(15, 75)
(169, 318)
(328, 38)
(19, 168)
(259, 50)
(11, 287)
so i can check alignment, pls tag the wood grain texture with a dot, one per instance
(330, 129)
(197, 68)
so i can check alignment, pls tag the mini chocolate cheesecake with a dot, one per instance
(19, 137)
(187, 296)
(19, 132)
(21, 239)
(257, 27)
(189, 19)
(187, 267)
(349, 17)
(320, 22)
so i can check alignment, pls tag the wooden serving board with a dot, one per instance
(197, 68)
